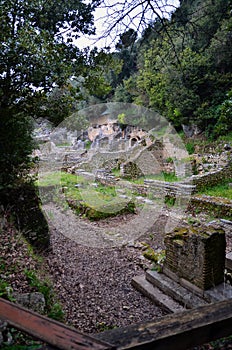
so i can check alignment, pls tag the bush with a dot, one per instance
(16, 146)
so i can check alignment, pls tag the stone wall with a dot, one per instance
(211, 179)
(172, 189)
(218, 207)
(196, 255)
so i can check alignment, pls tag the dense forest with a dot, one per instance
(180, 66)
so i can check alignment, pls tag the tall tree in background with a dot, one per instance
(36, 54)
(183, 59)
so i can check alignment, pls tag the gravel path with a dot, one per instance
(94, 284)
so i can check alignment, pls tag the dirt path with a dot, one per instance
(94, 284)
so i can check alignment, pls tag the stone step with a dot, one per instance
(156, 295)
(229, 261)
(173, 289)
(219, 293)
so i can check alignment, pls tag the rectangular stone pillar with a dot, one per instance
(196, 255)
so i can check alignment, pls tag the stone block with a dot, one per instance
(197, 255)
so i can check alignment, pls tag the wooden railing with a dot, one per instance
(49, 331)
(176, 331)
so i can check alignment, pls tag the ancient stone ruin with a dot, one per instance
(193, 272)
(196, 256)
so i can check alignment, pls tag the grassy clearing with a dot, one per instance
(92, 200)
(59, 178)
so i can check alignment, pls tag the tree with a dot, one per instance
(136, 14)
(36, 54)
(184, 64)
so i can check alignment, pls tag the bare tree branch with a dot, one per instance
(136, 14)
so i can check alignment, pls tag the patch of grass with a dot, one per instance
(44, 286)
(6, 290)
(169, 201)
(56, 312)
(190, 147)
(226, 138)
(59, 178)
(102, 326)
(157, 258)
(64, 144)
(221, 190)
(88, 144)
(106, 192)
(21, 341)
(169, 160)
(162, 176)
(116, 172)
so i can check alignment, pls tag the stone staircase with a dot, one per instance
(173, 296)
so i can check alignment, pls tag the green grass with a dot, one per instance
(116, 172)
(190, 147)
(163, 176)
(57, 178)
(92, 202)
(44, 286)
(221, 190)
(227, 138)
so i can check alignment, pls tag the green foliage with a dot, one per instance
(34, 57)
(21, 347)
(61, 178)
(6, 290)
(41, 285)
(16, 144)
(102, 326)
(169, 160)
(44, 286)
(56, 312)
(183, 67)
(190, 147)
(103, 199)
(162, 176)
(169, 201)
(224, 123)
(157, 258)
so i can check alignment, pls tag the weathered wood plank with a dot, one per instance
(176, 331)
(47, 330)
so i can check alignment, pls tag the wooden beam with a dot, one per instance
(177, 331)
(48, 330)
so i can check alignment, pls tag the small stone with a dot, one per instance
(126, 307)
(227, 147)
(34, 301)
(3, 325)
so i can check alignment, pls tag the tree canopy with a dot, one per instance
(182, 65)
(36, 55)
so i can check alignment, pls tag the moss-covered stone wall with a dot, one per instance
(210, 179)
(217, 207)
